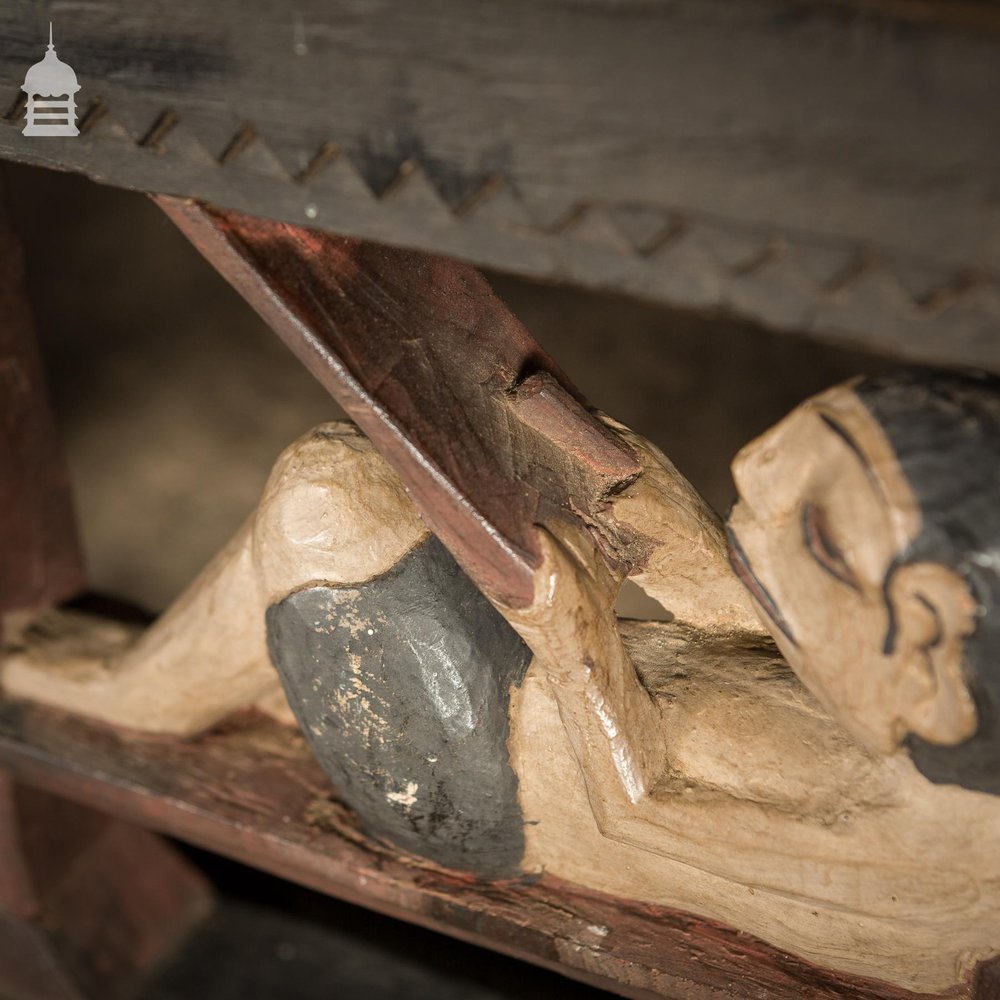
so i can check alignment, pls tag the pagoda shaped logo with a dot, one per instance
(51, 87)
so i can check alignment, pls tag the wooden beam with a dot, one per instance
(823, 167)
(252, 792)
(483, 428)
(41, 562)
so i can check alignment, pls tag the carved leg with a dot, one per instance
(331, 513)
(203, 659)
(88, 905)
(398, 669)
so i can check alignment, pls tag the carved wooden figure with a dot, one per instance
(675, 763)
(868, 533)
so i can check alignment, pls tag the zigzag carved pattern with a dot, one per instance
(580, 222)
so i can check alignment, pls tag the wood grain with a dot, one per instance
(437, 371)
(824, 167)
(252, 792)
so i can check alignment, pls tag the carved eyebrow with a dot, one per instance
(841, 432)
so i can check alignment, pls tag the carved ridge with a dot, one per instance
(592, 226)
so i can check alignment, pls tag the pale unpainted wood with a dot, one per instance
(331, 511)
(671, 763)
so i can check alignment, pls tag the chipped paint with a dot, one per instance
(405, 798)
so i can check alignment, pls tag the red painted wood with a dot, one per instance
(89, 905)
(436, 370)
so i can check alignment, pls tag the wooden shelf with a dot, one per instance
(252, 792)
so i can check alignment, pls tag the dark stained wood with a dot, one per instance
(40, 562)
(88, 905)
(483, 428)
(253, 792)
(823, 166)
(17, 894)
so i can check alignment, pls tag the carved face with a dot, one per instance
(823, 515)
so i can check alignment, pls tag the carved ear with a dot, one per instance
(934, 614)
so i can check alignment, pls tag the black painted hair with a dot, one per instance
(944, 428)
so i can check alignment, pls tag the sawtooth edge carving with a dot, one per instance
(808, 283)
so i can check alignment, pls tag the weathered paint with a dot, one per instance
(401, 686)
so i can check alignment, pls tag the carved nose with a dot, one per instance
(750, 469)
(755, 470)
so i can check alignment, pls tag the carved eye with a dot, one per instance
(822, 547)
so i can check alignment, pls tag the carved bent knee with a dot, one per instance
(396, 667)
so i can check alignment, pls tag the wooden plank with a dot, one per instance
(820, 166)
(483, 428)
(252, 792)
(40, 562)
